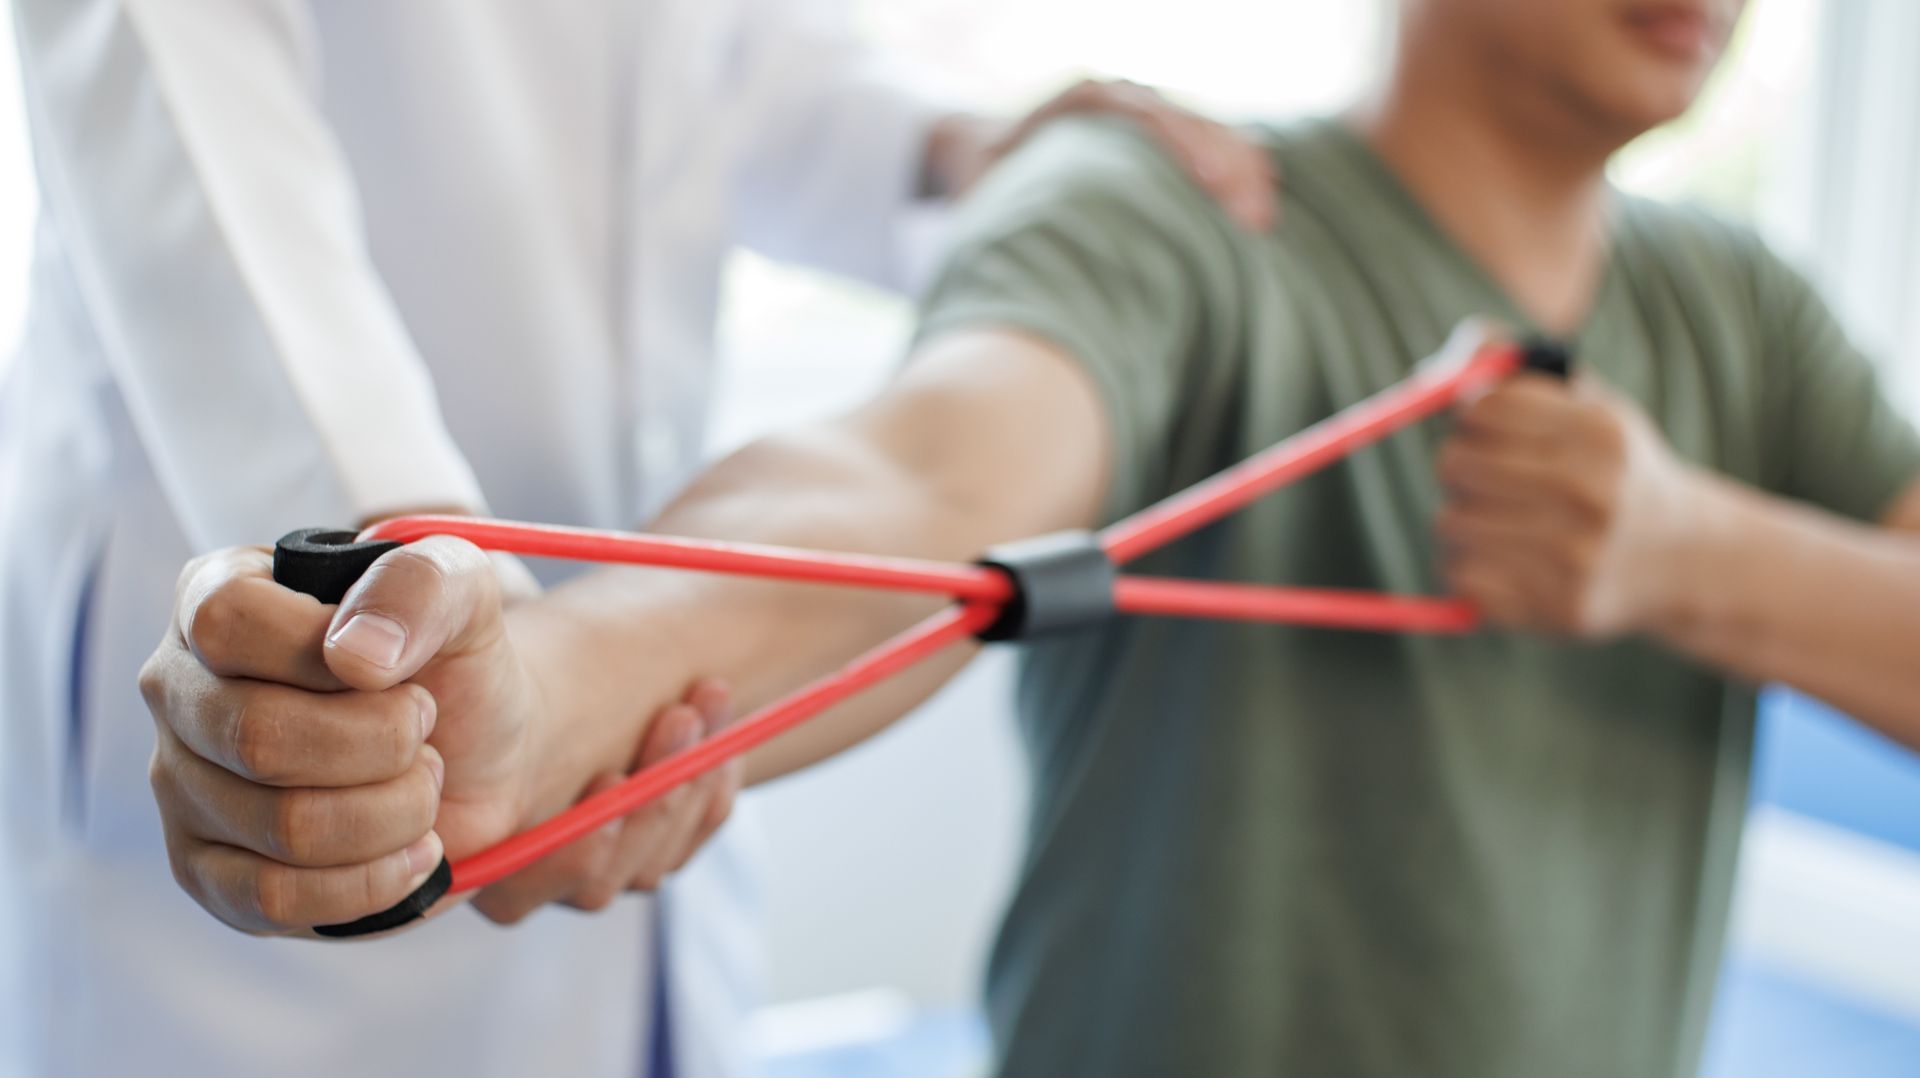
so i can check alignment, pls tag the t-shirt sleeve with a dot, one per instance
(1838, 441)
(1090, 239)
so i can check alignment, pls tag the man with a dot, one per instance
(1268, 850)
(334, 261)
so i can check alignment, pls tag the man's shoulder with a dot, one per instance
(1693, 236)
(1102, 174)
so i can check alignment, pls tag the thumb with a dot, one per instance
(439, 595)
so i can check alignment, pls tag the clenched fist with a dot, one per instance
(313, 763)
(1564, 508)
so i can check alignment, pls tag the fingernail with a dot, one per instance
(423, 857)
(437, 765)
(429, 712)
(371, 638)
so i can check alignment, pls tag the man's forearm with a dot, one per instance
(1776, 591)
(619, 642)
(987, 437)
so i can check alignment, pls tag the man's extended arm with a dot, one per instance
(986, 436)
(295, 788)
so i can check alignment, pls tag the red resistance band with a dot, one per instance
(981, 592)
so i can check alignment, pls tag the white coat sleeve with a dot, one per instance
(834, 143)
(213, 231)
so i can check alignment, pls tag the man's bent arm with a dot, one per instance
(1777, 591)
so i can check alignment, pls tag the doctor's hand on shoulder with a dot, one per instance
(313, 764)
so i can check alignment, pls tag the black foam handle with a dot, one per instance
(324, 563)
(1544, 355)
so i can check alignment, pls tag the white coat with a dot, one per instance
(299, 263)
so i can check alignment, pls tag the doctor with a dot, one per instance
(328, 262)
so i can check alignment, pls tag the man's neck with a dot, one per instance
(1524, 195)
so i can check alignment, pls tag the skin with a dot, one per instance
(1565, 513)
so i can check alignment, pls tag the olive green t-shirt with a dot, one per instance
(1263, 850)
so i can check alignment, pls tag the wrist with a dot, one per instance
(1701, 538)
(593, 688)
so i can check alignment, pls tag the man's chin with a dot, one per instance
(1635, 108)
(1655, 90)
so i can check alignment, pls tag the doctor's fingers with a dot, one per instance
(261, 896)
(635, 851)
(1236, 172)
(281, 736)
(709, 804)
(305, 827)
(661, 837)
(569, 871)
(591, 872)
(239, 623)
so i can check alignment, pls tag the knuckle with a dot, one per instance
(1474, 416)
(217, 626)
(164, 777)
(297, 825)
(422, 803)
(439, 573)
(1592, 503)
(446, 559)
(160, 778)
(420, 559)
(186, 875)
(401, 730)
(189, 572)
(376, 884)
(257, 743)
(275, 895)
(153, 681)
(1575, 563)
(587, 861)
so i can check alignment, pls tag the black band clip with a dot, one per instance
(1061, 581)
